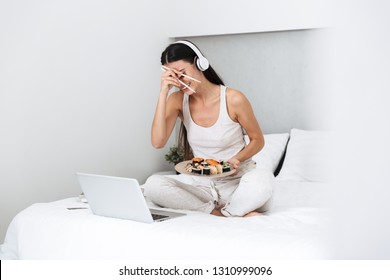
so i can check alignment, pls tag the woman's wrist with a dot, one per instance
(164, 93)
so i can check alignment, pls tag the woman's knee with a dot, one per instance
(153, 185)
(260, 179)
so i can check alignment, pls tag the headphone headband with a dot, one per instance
(201, 62)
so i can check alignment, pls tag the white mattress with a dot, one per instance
(293, 229)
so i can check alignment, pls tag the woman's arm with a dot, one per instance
(240, 110)
(167, 110)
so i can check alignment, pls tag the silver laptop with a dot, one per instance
(119, 198)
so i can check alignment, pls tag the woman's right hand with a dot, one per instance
(168, 79)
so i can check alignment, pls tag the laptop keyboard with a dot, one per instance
(158, 217)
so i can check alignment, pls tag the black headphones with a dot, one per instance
(201, 62)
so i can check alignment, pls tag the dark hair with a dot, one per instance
(179, 51)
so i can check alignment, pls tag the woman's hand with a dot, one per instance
(168, 79)
(234, 162)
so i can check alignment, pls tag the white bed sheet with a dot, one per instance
(293, 229)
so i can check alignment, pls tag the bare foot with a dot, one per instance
(253, 214)
(217, 212)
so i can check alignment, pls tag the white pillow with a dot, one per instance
(307, 156)
(271, 154)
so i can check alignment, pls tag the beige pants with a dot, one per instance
(249, 190)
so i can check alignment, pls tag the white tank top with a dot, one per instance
(221, 141)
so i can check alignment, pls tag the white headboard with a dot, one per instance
(281, 73)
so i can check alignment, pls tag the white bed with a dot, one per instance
(292, 229)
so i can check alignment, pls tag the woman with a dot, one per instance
(213, 118)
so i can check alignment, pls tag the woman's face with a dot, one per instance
(183, 67)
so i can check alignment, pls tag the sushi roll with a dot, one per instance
(197, 160)
(197, 171)
(211, 161)
(206, 171)
(226, 167)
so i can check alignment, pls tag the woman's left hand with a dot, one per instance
(234, 162)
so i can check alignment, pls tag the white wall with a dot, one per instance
(79, 79)
(205, 17)
(78, 86)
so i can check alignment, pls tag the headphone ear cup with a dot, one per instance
(202, 63)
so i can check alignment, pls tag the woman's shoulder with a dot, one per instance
(234, 96)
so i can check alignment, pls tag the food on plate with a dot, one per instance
(197, 160)
(202, 166)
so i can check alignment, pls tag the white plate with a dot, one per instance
(181, 168)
